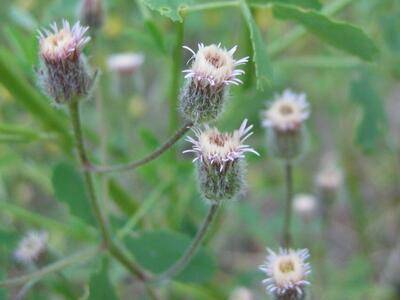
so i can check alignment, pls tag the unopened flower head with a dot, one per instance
(92, 13)
(219, 158)
(125, 63)
(305, 205)
(31, 247)
(284, 120)
(212, 70)
(286, 272)
(63, 74)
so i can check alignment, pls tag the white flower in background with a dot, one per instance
(287, 271)
(219, 157)
(329, 178)
(241, 293)
(125, 63)
(214, 66)
(305, 205)
(31, 246)
(287, 112)
(213, 69)
(63, 73)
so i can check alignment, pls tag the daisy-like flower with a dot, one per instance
(213, 68)
(125, 63)
(218, 158)
(305, 205)
(31, 246)
(284, 120)
(63, 72)
(287, 271)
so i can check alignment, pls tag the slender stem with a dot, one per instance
(152, 156)
(194, 246)
(286, 234)
(176, 68)
(210, 5)
(54, 267)
(75, 119)
(114, 249)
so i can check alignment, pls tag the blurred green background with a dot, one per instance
(355, 117)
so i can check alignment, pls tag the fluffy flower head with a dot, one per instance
(287, 271)
(305, 205)
(63, 43)
(213, 147)
(31, 246)
(330, 178)
(214, 66)
(287, 112)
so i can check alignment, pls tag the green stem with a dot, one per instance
(152, 156)
(286, 234)
(57, 266)
(176, 68)
(194, 246)
(114, 249)
(210, 5)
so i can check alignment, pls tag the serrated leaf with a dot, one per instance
(158, 250)
(69, 188)
(341, 35)
(100, 286)
(169, 8)
(260, 56)
(373, 122)
(314, 4)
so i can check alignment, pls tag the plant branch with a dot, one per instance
(191, 251)
(54, 267)
(152, 156)
(286, 234)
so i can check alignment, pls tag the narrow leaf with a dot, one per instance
(125, 202)
(260, 56)
(169, 8)
(100, 285)
(341, 35)
(69, 188)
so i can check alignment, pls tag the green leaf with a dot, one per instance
(364, 93)
(341, 35)
(100, 285)
(69, 188)
(260, 56)
(25, 94)
(313, 4)
(169, 8)
(158, 250)
(125, 202)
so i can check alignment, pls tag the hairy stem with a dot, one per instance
(194, 246)
(286, 234)
(152, 156)
(114, 250)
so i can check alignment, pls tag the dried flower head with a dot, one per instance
(284, 119)
(92, 13)
(287, 271)
(213, 68)
(125, 63)
(31, 247)
(218, 157)
(305, 205)
(63, 73)
(241, 293)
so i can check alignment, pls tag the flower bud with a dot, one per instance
(31, 247)
(219, 159)
(213, 69)
(63, 72)
(92, 13)
(286, 135)
(305, 206)
(287, 271)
